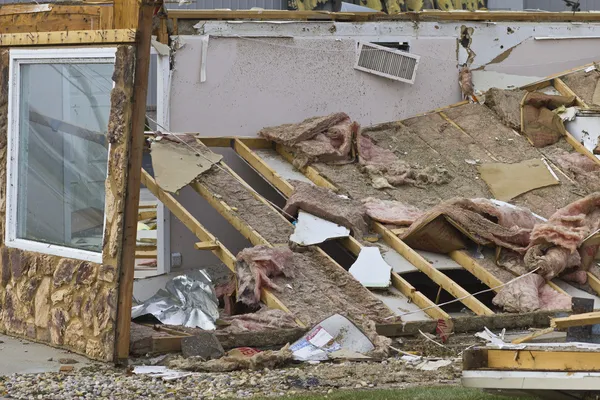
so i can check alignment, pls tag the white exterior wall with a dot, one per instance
(267, 73)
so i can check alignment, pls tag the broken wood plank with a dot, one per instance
(68, 37)
(206, 246)
(350, 242)
(532, 335)
(591, 318)
(143, 215)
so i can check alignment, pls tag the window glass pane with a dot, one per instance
(63, 152)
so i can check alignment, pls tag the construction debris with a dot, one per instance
(311, 229)
(326, 204)
(179, 159)
(554, 244)
(235, 360)
(507, 181)
(262, 320)
(254, 268)
(203, 344)
(386, 170)
(391, 212)
(334, 337)
(187, 300)
(326, 139)
(370, 269)
(530, 293)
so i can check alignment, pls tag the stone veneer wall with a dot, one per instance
(63, 302)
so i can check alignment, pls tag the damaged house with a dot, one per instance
(180, 197)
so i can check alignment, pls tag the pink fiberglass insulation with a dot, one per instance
(554, 244)
(531, 293)
(391, 212)
(254, 268)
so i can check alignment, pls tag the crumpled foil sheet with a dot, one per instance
(189, 300)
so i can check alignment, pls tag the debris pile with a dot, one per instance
(326, 139)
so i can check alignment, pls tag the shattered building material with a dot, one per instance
(256, 266)
(236, 361)
(386, 170)
(310, 229)
(391, 212)
(531, 293)
(554, 244)
(177, 161)
(326, 139)
(187, 300)
(542, 126)
(507, 181)
(370, 269)
(325, 204)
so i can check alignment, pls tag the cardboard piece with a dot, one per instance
(311, 229)
(507, 181)
(175, 165)
(370, 269)
(437, 235)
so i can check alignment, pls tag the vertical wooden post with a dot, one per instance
(134, 169)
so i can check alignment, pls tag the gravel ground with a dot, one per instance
(104, 382)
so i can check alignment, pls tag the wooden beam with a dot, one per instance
(591, 318)
(476, 269)
(267, 297)
(108, 36)
(350, 243)
(134, 168)
(564, 90)
(542, 360)
(533, 335)
(311, 173)
(188, 220)
(206, 246)
(142, 254)
(267, 14)
(142, 215)
(594, 282)
(438, 277)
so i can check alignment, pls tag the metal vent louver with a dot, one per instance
(389, 63)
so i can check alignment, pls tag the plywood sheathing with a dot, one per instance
(63, 302)
(582, 84)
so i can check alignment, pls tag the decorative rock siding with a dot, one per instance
(59, 301)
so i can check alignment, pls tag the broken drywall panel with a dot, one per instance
(283, 168)
(175, 165)
(370, 269)
(401, 305)
(399, 264)
(507, 181)
(311, 229)
(586, 129)
(484, 80)
(161, 48)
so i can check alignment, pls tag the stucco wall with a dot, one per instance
(262, 74)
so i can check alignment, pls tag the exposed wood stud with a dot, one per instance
(564, 90)
(533, 335)
(591, 318)
(542, 360)
(206, 246)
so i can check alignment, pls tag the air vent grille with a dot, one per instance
(392, 64)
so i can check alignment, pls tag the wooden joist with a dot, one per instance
(591, 318)
(206, 246)
(403, 249)
(533, 335)
(107, 36)
(349, 243)
(204, 235)
(564, 90)
(143, 215)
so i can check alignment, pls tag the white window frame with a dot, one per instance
(20, 57)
